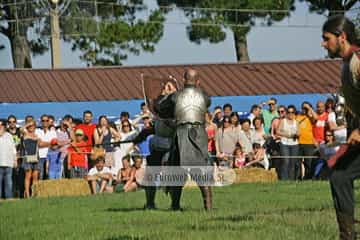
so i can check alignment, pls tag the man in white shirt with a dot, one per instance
(7, 160)
(99, 177)
(255, 111)
(45, 135)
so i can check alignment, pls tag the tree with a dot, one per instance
(331, 6)
(334, 7)
(210, 17)
(16, 30)
(119, 30)
(104, 32)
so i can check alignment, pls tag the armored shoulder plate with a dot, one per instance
(190, 106)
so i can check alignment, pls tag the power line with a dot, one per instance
(224, 23)
(91, 33)
(173, 22)
(172, 7)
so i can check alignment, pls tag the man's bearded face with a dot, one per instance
(331, 44)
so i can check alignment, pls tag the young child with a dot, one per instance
(77, 156)
(259, 158)
(53, 160)
(123, 175)
(239, 156)
(136, 172)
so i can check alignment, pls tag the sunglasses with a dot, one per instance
(45, 120)
(281, 111)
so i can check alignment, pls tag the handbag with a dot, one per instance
(32, 158)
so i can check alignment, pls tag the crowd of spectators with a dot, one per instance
(295, 143)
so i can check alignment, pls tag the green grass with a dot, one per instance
(245, 211)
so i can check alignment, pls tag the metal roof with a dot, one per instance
(123, 83)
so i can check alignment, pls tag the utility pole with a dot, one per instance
(55, 35)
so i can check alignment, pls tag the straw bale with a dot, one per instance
(250, 175)
(61, 187)
(255, 175)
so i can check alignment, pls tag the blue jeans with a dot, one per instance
(288, 165)
(54, 175)
(42, 162)
(6, 177)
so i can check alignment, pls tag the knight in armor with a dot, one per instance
(190, 141)
(339, 39)
(162, 130)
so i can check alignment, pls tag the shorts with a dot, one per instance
(78, 172)
(31, 166)
(98, 184)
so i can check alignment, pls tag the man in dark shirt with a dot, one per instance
(339, 39)
(160, 144)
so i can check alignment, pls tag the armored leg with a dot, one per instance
(175, 194)
(150, 192)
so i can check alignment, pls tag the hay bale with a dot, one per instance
(255, 175)
(61, 187)
(250, 175)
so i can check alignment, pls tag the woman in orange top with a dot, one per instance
(306, 140)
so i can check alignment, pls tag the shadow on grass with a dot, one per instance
(127, 237)
(120, 209)
(252, 215)
(236, 218)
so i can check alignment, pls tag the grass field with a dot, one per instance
(245, 211)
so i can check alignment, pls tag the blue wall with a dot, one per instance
(113, 108)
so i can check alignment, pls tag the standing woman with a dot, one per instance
(30, 145)
(103, 134)
(259, 135)
(211, 129)
(235, 122)
(225, 142)
(64, 140)
(127, 133)
(289, 146)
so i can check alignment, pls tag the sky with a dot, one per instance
(278, 43)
